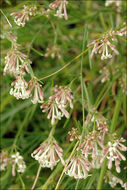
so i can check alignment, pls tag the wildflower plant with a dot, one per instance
(63, 94)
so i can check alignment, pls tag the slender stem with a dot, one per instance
(65, 65)
(36, 178)
(101, 178)
(6, 18)
(82, 86)
(57, 185)
(116, 114)
(76, 187)
(52, 131)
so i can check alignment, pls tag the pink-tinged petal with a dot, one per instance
(40, 93)
(65, 12)
(110, 164)
(120, 155)
(65, 112)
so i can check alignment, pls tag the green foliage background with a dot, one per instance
(23, 121)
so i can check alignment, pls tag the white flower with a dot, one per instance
(104, 45)
(78, 167)
(109, 2)
(19, 89)
(113, 180)
(4, 160)
(58, 103)
(48, 154)
(60, 5)
(112, 153)
(16, 62)
(18, 163)
(38, 93)
(22, 16)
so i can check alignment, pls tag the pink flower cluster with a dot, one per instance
(15, 160)
(57, 103)
(60, 5)
(48, 154)
(105, 44)
(22, 16)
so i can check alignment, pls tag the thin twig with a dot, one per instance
(6, 18)
(65, 65)
(36, 178)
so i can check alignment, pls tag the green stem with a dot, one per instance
(56, 171)
(57, 185)
(65, 65)
(52, 131)
(101, 178)
(6, 18)
(116, 113)
(112, 129)
(36, 178)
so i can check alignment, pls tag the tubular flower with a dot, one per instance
(78, 167)
(63, 95)
(90, 144)
(18, 163)
(48, 154)
(60, 5)
(57, 103)
(103, 45)
(22, 16)
(19, 89)
(38, 93)
(16, 62)
(112, 153)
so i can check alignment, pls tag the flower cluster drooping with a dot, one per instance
(48, 154)
(18, 163)
(57, 103)
(22, 16)
(4, 160)
(104, 45)
(15, 160)
(78, 167)
(74, 134)
(112, 152)
(60, 5)
(38, 97)
(16, 62)
(113, 180)
(19, 88)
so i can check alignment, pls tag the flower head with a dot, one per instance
(18, 163)
(16, 62)
(74, 134)
(48, 154)
(104, 45)
(4, 160)
(33, 85)
(22, 16)
(60, 5)
(78, 167)
(113, 180)
(112, 153)
(19, 88)
(57, 103)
